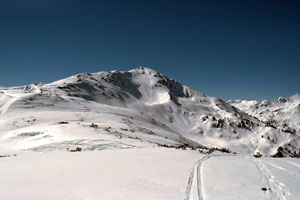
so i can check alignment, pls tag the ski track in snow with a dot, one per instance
(292, 163)
(275, 188)
(283, 169)
(193, 184)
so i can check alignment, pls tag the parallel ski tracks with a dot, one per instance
(194, 184)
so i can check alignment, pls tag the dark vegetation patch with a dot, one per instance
(63, 122)
(93, 125)
(287, 150)
(202, 149)
(77, 149)
(257, 155)
(7, 156)
(265, 189)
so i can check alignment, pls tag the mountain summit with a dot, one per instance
(140, 104)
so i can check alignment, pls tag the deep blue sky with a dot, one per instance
(245, 49)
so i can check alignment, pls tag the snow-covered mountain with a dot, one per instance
(140, 105)
(282, 113)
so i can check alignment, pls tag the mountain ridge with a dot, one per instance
(282, 113)
(159, 110)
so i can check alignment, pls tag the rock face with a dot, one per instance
(159, 107)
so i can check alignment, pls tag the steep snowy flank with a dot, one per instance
(283, 113)
(139, 105)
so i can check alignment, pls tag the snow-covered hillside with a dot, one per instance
(282, 113)
(141, 104)
(141, 135)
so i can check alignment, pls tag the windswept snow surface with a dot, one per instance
(147, 173)
(140, 135)
(131, 174)
(250, 178)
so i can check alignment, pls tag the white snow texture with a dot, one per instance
(141, 135)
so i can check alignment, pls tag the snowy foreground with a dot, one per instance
(140, 135)
(146, 173)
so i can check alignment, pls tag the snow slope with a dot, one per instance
(147, 173)
(141, 104)
(282, 113)
(251, 178)
(141, 135)
(112, 174)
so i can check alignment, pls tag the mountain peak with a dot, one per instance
(143, 69)
(147, 102)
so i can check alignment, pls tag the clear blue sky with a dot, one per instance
(243, 49)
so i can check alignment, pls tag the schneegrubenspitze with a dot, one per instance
(142, 104)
